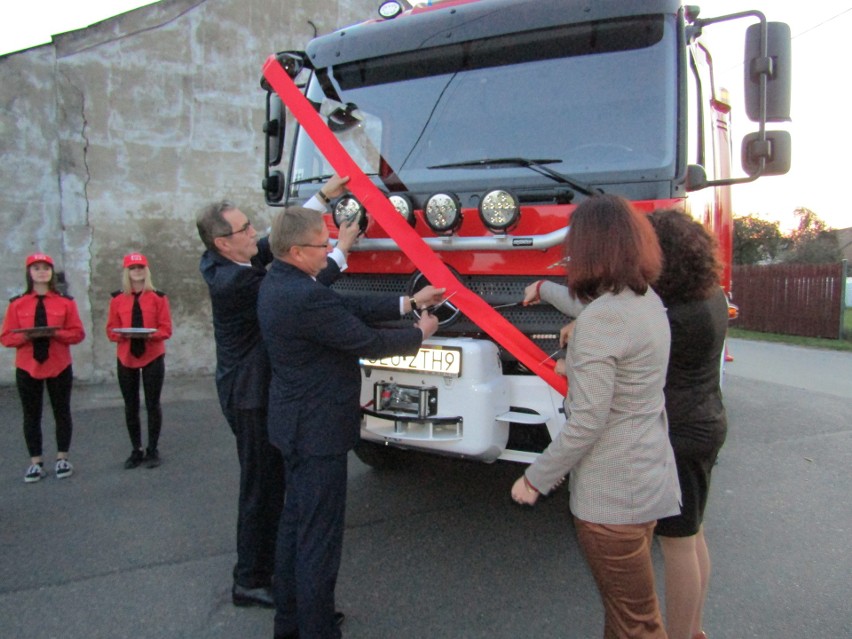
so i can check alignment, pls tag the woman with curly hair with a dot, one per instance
(698, 317)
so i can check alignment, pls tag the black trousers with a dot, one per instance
(31, 391)
(310, 544)
(152, 381)
(261, 498)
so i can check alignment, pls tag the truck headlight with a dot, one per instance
(443, 212)
(499, 210)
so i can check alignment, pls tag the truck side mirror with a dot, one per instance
(775, 150)
(273, 187)
(273, 129)
(776, 67)
(696, 177)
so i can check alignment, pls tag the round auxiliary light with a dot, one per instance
(499, 210)
(348, 208)
(443, 212)
(390, 9)
(403, 205)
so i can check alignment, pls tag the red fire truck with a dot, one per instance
(485, 123)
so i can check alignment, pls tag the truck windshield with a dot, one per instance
(598, 100)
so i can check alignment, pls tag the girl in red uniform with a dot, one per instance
(140, 322)
(41, 324)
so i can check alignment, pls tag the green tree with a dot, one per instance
(813, 242)
(755, 240)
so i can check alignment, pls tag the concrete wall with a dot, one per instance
(112, 137)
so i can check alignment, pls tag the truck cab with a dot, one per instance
(485, 123)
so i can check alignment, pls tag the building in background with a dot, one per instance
(111, 138)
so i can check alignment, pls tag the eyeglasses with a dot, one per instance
(322, 246)
(245, 227)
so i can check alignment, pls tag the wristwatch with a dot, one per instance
(413, 303)
(323, 197)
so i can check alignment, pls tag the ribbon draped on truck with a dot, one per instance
(409, 242)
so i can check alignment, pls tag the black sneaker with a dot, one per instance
(35, 473)
(136, 458)
(63, 468)
(152, 458)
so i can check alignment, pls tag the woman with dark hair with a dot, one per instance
(140, 322)
(615, 440)
(698, 318)
(41, 324)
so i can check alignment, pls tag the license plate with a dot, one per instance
(429, 359)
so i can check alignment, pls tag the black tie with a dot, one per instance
(137, 344)
(40, 344)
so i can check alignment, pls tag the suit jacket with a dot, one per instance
(615, 439)
(242, 365)
(315, 338)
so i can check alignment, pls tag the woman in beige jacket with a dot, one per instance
(615, 439)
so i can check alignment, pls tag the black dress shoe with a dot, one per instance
(339, 617)
(261, 597)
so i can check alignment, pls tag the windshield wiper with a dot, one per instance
(536, 165)
(322, 178)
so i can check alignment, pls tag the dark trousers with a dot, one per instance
(152, 382)
(261, 498)
(310, 543)
(31, 391)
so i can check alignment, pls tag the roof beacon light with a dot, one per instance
(392, 8)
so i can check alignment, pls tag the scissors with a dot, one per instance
(435, 307)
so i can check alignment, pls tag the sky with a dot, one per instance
(819, 129)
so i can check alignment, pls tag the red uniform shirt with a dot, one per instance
(155, 314)
(61, 312)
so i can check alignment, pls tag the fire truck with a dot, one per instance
(485, 123)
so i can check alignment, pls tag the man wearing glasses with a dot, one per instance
(233, 266)
(315, 338)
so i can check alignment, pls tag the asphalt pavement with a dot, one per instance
(435, 550)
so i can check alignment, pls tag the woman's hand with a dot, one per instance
(531, 293)
(565, 334)
(523, 493)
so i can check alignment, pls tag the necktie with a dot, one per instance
(137, 344)
(40, 344)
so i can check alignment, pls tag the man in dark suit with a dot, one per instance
(315, 338)
(233, 267)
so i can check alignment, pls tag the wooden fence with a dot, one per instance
(791, 299)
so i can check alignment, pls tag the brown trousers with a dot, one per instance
(620, 559)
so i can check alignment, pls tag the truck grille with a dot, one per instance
(540, 322)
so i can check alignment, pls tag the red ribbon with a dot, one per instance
(423, 257)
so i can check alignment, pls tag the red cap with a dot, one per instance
(39, 257)
(135, 259)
